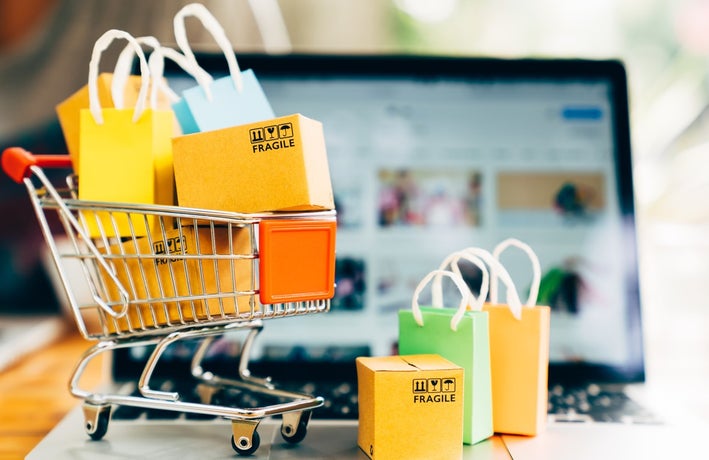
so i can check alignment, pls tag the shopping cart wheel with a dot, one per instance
(245, 439)
(96, 419)
(295, 426)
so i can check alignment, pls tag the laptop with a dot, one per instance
(429, 155)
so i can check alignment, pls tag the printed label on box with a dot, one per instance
(438, 390)
(272, 137)
(401, 397)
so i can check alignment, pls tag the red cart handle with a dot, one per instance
(16, 162)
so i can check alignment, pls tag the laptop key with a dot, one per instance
(595, 404)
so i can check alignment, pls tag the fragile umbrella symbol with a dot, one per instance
(285, 130)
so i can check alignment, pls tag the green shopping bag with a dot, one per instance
(461, 337)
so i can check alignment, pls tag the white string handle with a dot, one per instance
(125, 62)
(156, 62)
(536, 269)
(211, 24)
(271, 25)
(99, 47)
(123, 68)
(498, 270)
(452, 261)
(462, 287)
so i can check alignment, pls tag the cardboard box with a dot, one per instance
(410, 407)
(169, 274)
(273, 165)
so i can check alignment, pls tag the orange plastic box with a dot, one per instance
(297, 260)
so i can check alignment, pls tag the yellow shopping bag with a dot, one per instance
(68, 110)
(119, 89)
(125, 154)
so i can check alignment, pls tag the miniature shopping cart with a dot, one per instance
(161, 274)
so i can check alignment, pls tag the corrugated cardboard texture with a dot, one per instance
(166, 277)
(410, 407)
(274, 165)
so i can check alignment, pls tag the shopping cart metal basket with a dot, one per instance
(181, 274)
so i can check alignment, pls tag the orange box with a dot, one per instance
(168, 275)
(297, 260)
(410, 407)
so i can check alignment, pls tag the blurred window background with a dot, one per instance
(663, 43)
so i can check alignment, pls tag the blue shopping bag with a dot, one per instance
(232, 100)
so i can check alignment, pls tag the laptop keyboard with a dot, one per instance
(573, 405)
(593, 403)
(340, 401)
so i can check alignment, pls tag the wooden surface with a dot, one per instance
(34, 394)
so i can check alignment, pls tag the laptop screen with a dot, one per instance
(431, 155)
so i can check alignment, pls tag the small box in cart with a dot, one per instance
(273, 165)
(410, 407)
(160, 267)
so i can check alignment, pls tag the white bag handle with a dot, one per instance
(452, 261)
(498, 270)
(215, 29)
(536, 269)
(462, 287)
(123, 68)
(156, 62)
(99, 47)
(125, 62)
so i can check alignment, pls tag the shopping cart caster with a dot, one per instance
(245, 440)
(96, 419)
(295, 426)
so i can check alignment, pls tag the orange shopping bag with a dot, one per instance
(519, 350)
(125, 154)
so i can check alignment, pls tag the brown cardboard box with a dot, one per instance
(152, 280)
(410, 407)
(273, 165)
